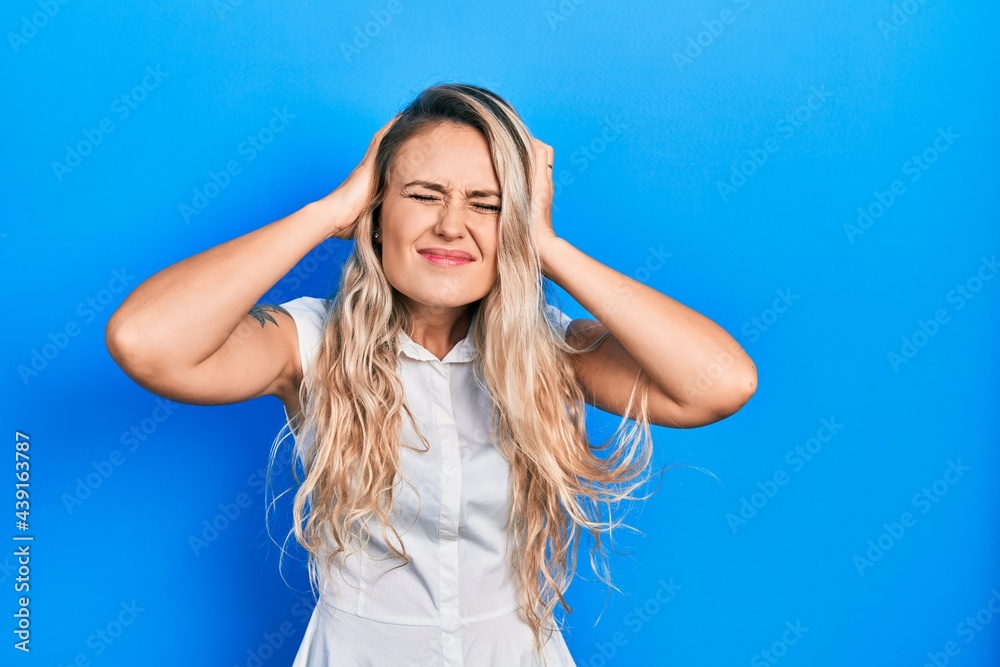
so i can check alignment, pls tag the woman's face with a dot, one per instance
(442, 194)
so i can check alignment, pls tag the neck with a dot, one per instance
(438, 329)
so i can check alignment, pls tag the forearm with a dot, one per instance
(188, 310)
(676, 346)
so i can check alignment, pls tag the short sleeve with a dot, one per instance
(558, 319)
(309, 314)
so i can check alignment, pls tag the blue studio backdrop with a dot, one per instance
(814, 177)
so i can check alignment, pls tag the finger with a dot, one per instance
(543, 155)
(392, 121)
(544, 152)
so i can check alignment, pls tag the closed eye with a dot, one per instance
(482, 207)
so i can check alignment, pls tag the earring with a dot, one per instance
(376, 234)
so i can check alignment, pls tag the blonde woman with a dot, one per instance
(436, 399)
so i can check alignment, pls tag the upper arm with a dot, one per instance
(608, 373)
(260, 357)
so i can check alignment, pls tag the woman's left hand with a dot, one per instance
(542, 193)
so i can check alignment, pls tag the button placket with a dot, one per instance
(451, 502)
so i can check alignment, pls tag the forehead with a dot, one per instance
(446, 153)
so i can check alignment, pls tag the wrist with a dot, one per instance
(548, 247)
(333, 214)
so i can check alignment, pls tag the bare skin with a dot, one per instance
(697, 373)
(193, 333)
(442, 193)
(217, 346)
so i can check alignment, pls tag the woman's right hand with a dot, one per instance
(351, 196)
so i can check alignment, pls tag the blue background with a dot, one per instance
(697, 92)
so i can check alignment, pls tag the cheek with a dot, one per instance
(398, 214)
(489, 249)
(488, 269)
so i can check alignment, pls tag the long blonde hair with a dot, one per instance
(347, 431)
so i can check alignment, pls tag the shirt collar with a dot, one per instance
(464, 350)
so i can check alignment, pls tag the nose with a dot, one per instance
(451, 222)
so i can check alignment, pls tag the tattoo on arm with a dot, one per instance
(260, 312)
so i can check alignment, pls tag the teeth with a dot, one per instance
(448, 259)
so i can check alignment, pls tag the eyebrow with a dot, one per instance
(437, 187)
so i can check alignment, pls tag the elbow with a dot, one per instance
(729, 396)
(128, 348)
(117, 339)
(113, 339)
(747, 384)
(725, 400)
(741, 388)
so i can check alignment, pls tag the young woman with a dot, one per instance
(436, 399)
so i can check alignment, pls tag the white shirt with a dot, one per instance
(455, 604)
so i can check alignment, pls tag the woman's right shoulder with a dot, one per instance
(308, 306)
(309, 314)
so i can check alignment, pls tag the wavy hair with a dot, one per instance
(352, 399)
